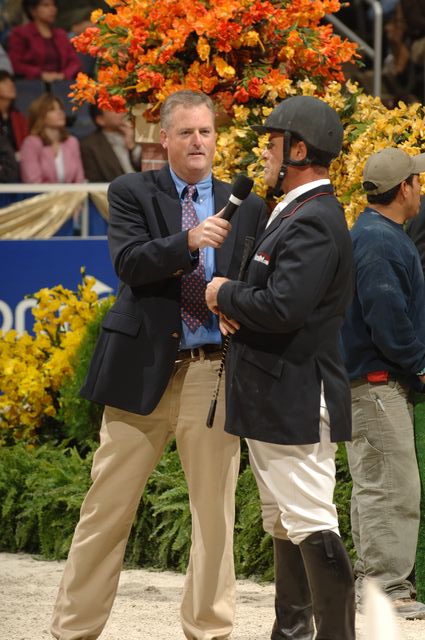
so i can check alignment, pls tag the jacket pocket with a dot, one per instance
(268, 362)
(122, 323)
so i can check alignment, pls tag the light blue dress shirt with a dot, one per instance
(204, 206)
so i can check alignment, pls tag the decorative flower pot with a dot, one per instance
(147, 133)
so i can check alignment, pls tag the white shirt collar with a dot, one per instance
(294, 194)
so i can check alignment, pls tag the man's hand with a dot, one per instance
(212, 291)
(127, 130)
(227, 325)
(212, 232)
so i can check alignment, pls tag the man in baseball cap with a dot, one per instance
(384, 352)
(389, 168)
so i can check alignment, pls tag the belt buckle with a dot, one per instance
(197, 353)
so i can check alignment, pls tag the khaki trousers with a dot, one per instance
(130, 447)
(385, 501)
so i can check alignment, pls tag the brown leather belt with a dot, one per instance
(209, 351)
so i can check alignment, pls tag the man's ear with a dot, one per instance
(99, 120)
(163, 138)
(300, 150)
(404, 188)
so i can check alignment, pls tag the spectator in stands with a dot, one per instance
(414, 15)
(50, 153)
(13, 123)
(80, 23)
(38, 49)
(5, 61)
(9, 168)
(111, 150)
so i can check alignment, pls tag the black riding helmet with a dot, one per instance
(308, 119)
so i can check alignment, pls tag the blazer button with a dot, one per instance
(175, 334)
(178, 273)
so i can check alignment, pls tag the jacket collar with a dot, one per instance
(289, 210)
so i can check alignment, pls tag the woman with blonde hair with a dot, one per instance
(50, 153)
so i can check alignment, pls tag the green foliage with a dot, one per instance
(41, 491)
(162, 529)
(81, 418)
(253, 546)
(342, 498)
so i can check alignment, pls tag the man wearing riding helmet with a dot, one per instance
(287, 389)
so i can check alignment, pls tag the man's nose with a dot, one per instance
(196, 138)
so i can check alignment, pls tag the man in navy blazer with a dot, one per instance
(156, 374)
(287, 389)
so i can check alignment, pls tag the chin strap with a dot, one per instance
(286, 162)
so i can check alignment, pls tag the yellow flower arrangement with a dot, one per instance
(368, 127)
(34, 366)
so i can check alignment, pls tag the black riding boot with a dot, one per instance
(294, 611)
(331, 580)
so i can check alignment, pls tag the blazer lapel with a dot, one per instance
(167, 204)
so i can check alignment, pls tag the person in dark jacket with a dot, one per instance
(155, 368)
(415, 229)
(9, 168)
(383, 342)
(111, 150)
(287, 389)
(13, 123)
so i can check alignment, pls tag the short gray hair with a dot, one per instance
(184, 98)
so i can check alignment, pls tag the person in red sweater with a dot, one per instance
(38, 49)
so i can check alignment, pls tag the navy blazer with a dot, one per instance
(299, 284)
(136, 350)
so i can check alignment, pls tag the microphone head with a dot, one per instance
(242, 186)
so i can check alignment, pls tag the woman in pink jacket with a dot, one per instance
(38, 49)
(50, 153)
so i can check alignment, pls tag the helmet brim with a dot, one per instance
(260, 128)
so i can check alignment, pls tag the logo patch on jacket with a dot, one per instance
(262, 257)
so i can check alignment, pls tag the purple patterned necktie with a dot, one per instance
(194, 310)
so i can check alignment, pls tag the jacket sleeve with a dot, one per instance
(78, 168)
(9, 170)
(305, 263)
(383, 289)
(19, 43)
(139, 258)
(30, 160)
(91, 166)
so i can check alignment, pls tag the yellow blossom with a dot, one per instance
(203, 49)
(241, 113)
(224, 69)
(95, 15)
(251, 39)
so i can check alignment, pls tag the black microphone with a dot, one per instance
(241, 189)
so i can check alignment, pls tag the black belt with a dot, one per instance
(207, 350)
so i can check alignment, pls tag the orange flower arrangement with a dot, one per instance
(238, 51)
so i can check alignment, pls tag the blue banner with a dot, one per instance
(29, 265)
